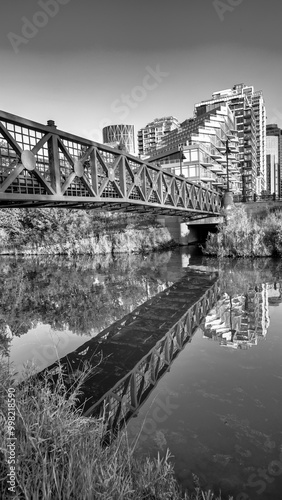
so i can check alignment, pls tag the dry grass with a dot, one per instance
(60, 456)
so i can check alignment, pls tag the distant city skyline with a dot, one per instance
(86, 65)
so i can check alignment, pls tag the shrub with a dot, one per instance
(242, 235)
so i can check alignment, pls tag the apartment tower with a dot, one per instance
(273, 160)
(150, 136)
(197, 150)
(249, 109)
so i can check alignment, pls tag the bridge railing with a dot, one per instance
(43, 166)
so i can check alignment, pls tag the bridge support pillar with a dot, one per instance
(180, 231)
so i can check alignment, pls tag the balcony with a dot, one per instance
(206, 164)
(217, 183)
(216, 156)
(216, 168)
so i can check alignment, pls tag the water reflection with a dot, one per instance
(218, 410)
(239, 321)
(56, 305)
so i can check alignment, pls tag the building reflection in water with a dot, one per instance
(240, 321)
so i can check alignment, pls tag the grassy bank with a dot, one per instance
(59, 454)
(74, 232)
(244, 235)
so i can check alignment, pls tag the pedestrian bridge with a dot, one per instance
(41, 166)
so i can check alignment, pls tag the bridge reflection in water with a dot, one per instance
(131, 355)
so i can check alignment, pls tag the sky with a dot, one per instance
(86, 64)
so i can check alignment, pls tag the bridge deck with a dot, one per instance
(41, 166)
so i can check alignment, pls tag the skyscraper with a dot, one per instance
(273, 160)
(197, 150)
(249, 109)
(150, 136)
(260, 117)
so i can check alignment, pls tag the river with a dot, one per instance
(218, 407)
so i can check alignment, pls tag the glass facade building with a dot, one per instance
(249, 109)
(197, 150)
(273, 160)
(120, 136)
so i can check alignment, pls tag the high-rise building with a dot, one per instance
(273, 160)
(260, 118)
(120, 136)
(249, 109)
(197, 150)
(150, 136)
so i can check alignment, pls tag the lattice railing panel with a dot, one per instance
(77, 188)
(101, 172)
(87, 170)
(135, 194)
(42, 163)
(25, 137)
(153, 198)
(74, 149)
(26, 183)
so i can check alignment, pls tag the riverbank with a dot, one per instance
(129, 241)
(59, 455)
(66, 232)
(244, 235)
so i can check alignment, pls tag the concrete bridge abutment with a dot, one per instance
(189, 232)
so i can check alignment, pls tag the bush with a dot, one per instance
(242, 235)
(73, 232)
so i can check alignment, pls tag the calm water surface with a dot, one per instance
(218, 409)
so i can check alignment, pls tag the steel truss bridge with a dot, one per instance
(131, 355)
(41, 166)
